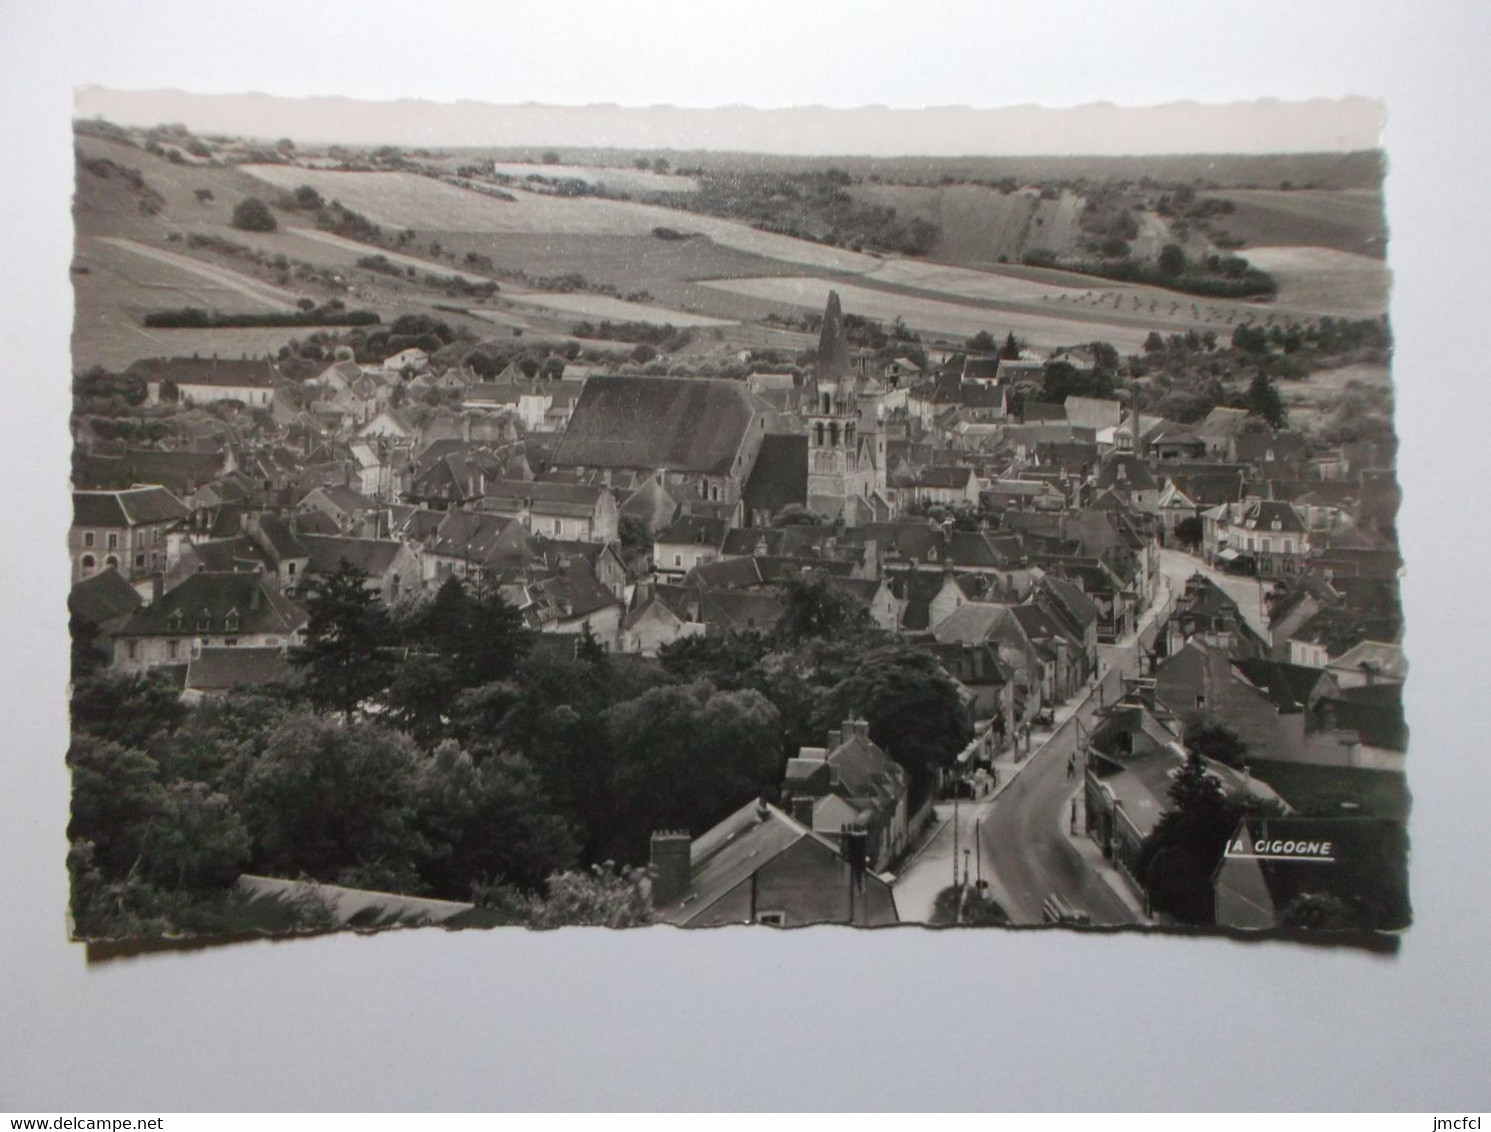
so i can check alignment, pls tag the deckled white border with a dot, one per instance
(821, 1019)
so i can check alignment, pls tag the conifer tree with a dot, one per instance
(347, 628)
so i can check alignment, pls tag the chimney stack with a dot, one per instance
(833, 741)
(802, 809)
(670, 861)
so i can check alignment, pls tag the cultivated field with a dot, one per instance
(1362, 169)
(125, 280)
(1326, 281)
(1054, 226)
(937, 316)
(114, 342)
(1052, 293)
(1349, 221)
(212, 279)
(407, 200)
(617, 179)
(581, 304)
(355, 251)
(726, 277)
(963, 282)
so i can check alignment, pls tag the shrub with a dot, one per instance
(252, 215)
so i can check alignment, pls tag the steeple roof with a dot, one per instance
(833, 349)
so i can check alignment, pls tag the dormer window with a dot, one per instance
(204, 621)
(230, 622)
(175, 620)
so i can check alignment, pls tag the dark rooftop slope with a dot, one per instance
(681, 424)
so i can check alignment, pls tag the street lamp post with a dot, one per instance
(978, 846)
(955, 837)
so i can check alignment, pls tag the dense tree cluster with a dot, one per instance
(442, 748)
(814, 205)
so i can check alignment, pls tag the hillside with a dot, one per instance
(154, 232)
(1359, 170)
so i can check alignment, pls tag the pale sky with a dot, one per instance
(1264, 126)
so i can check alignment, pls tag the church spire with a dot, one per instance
(833, 350)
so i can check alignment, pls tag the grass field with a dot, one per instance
(964, 282)
(125, 280)
(937, 316)
(1361, 169)
(406, 200)
(1053, 293)
(178, 185)
(114, 343)
(618, 179)
(581, 304)
(355, 251)
(727, 277)
(1351, 221)
(1054, 226)
(1326, 281)
(212, 279)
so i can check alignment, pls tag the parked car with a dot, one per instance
(1055, 910)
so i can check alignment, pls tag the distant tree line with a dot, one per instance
(1220, 277)
(198, 317)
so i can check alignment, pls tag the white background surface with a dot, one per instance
(826, 1018)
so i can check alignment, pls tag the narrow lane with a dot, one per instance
(1177, 566)
(1023, 843)
(1022, 835)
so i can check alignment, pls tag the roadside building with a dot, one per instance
(762, 866)
(123, 530)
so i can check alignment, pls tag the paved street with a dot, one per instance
(1024, 843)
(1024, 852)
(1022, 840)
(1177, 566)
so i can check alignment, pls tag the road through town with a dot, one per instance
(1022, 840)
(1247, 592)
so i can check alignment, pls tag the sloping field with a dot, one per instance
(936, 316)
(305, 244)
(406, 200)
(212, 277)
(99, 199)
(964, 282)
(1054, 226)
(1154, 234)
(978, 224)
(125, 279)
(1326, 281)
(355, 251)
(585, 305)
(614, 178)
(1085, 295)
(112, 341)
(1349, 220)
